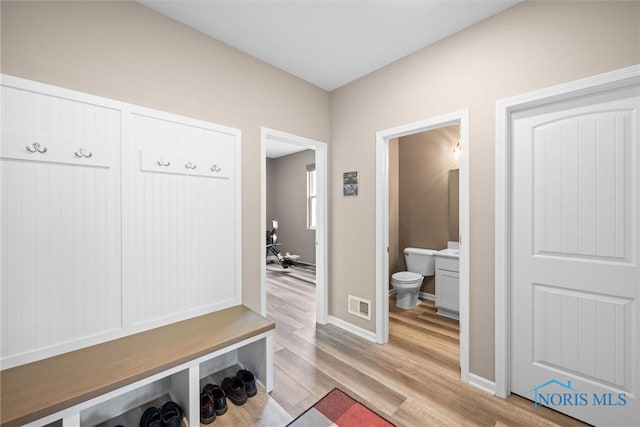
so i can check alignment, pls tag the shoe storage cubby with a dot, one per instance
(218, 376)
(252, 357)
(127, 408)
(131, 374)
(257, 409)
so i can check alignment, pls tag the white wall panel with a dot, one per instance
(183, 245)
(60, 222)
(105, 242)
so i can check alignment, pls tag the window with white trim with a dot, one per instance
(311, 197)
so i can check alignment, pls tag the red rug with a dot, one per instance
(338, 409)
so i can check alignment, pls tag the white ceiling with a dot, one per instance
(328, 42)
(275, 149)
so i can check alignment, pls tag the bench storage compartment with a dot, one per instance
(97, 383)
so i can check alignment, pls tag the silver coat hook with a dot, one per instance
(163, 162)
(35, 148)
(82, 153)
(190, 165)
(215, 168)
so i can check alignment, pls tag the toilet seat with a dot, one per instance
(406, 277)
(407, 286)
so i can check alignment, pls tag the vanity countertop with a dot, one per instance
(449, 252)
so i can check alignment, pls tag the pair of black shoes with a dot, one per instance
(240, 387)
(213, 402)
(169, 415)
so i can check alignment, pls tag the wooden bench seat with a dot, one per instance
(35, 390)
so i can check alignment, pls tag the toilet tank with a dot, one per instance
(421, 261)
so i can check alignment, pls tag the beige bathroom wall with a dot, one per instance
(530, 46)
(287, 201)
(125, 51)
(424, 164)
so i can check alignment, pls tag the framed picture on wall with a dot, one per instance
(350, 184)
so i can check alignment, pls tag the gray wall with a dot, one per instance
(270, 196)
(287, 201)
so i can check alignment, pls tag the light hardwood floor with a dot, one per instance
(411, 381)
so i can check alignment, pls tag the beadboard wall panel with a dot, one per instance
(115, 219)
(182, 251)
(60, 258)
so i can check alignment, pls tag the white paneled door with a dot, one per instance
(575, 276)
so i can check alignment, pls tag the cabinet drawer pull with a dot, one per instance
(190, 165)
(35, 148)
(163, 162)
(215, 168)
(82, 153)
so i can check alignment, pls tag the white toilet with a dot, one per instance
(420, 262)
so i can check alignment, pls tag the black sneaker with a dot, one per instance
(234, 389)
(249, 382)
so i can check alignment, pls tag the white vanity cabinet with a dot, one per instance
(447, 285)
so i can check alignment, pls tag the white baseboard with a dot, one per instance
(428, 296)
(356, 330)
(482, 383)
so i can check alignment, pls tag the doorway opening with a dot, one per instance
(383, 138)
(314, 214)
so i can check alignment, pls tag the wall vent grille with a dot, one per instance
(360, 307)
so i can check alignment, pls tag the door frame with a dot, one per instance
(322, 239)
(505, 109)
(460, 118)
